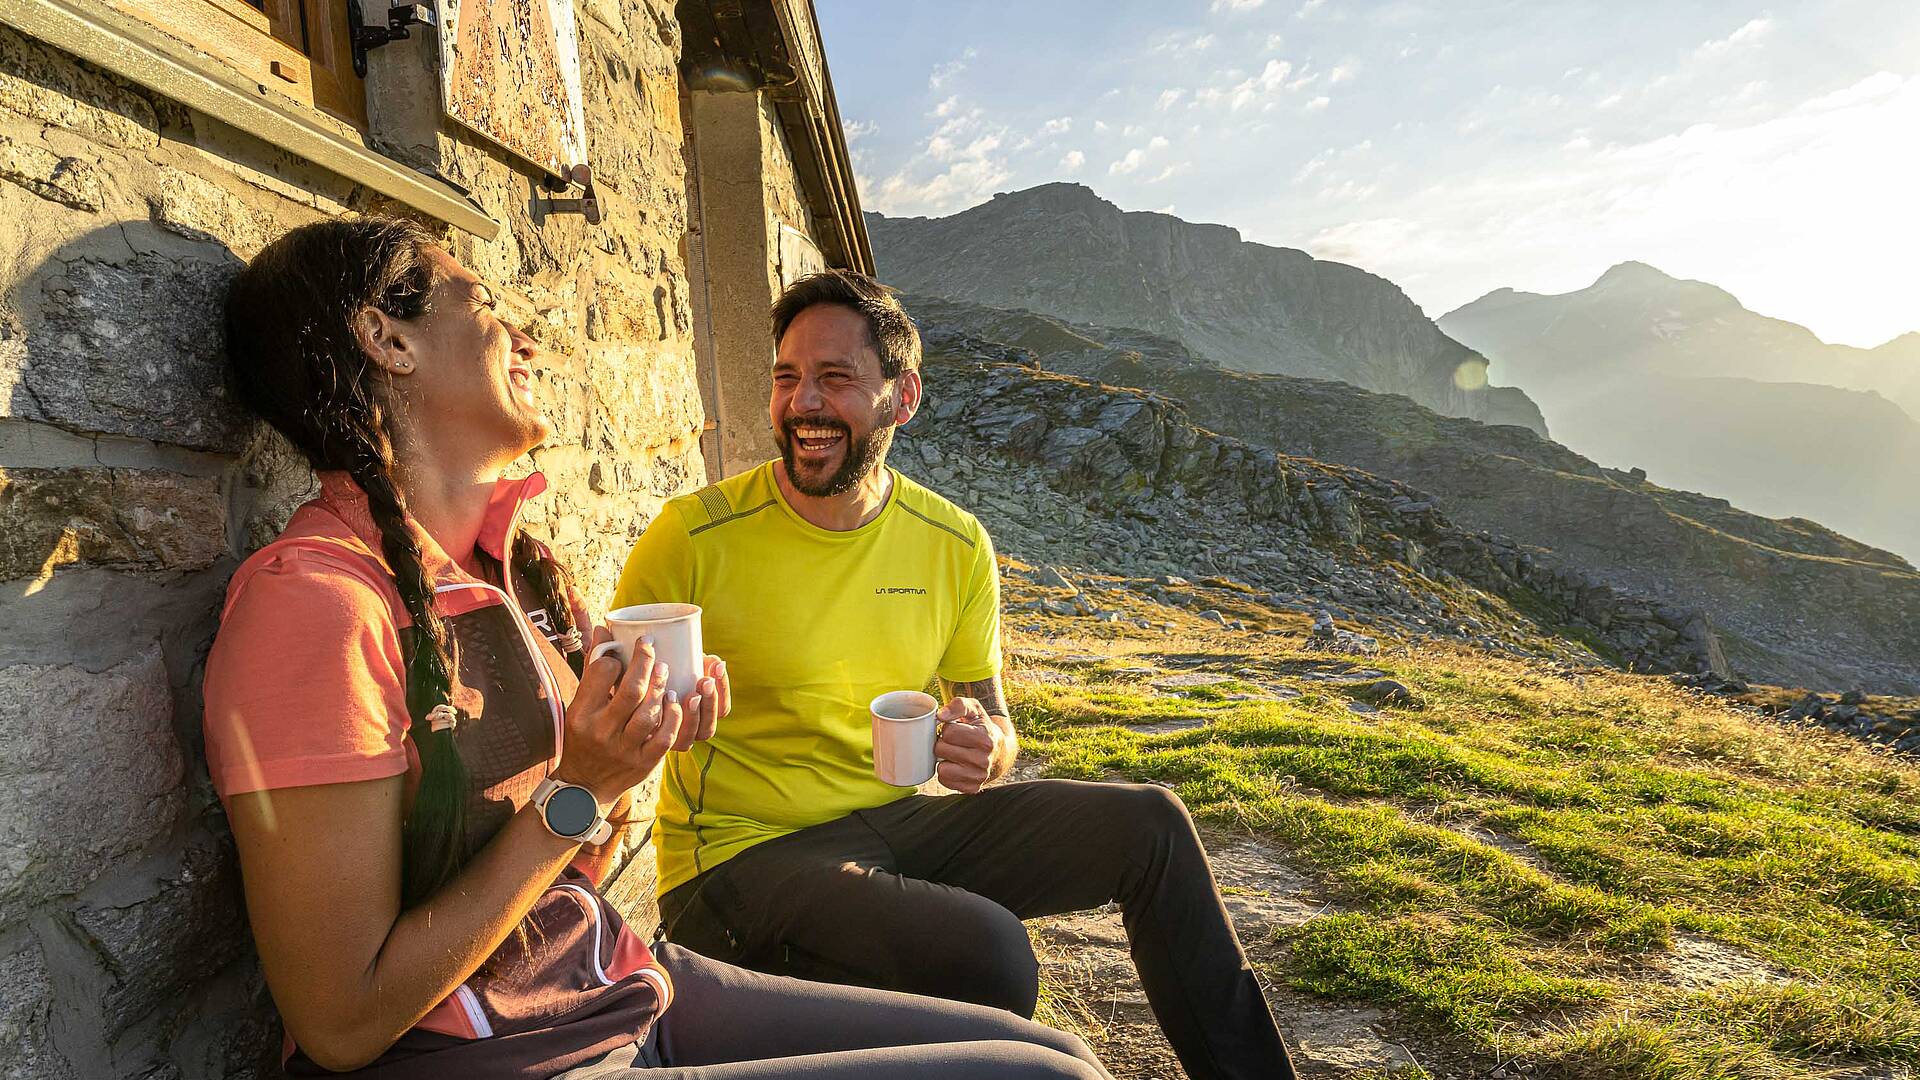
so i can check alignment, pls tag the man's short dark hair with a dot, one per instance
(889, 330)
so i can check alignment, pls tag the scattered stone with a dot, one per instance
(1213, 616)
(1388, 692)
(1187, 680)
(1052, 578)
(1361, 707)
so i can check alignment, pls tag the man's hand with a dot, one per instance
(976, 746)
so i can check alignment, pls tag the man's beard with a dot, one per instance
(862, 456)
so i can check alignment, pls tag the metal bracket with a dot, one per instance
(588, 204)
(365, 38)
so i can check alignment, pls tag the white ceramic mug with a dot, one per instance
(904, 730)
(675, 630)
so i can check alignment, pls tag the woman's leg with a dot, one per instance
(725, 1014)
(990, 1060)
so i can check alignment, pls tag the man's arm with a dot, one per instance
(977, 742)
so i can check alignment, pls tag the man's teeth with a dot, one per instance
(817, 434)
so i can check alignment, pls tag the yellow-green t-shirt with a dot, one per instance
(813, 625)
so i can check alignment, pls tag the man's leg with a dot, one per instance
(1050, 846)
(826, 903)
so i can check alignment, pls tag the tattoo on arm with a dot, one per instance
(986, 691)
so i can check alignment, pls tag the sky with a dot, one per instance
(1452, 146)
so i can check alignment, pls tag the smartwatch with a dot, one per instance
(571, 812)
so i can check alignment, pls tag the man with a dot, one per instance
(827, 579)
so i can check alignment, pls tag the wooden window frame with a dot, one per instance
(134, 49)
(260, 45)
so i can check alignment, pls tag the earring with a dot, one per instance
(403, 365)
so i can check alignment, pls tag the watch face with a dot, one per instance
(571, 810)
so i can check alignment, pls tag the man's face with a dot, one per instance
(833, 411)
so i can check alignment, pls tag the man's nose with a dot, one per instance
(807, 397)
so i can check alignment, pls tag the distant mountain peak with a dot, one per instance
(1633, 273)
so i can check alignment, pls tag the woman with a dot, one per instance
(417, 757)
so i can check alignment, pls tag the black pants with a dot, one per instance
(730, 1024)
(926, 895)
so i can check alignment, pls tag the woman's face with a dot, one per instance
(469, 388)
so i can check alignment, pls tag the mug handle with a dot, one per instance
(603, 649)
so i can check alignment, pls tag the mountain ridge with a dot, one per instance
(1063, 250)
(1677, 377)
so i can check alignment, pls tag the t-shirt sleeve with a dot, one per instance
(659, 569)
(974, 652)
(305, 683)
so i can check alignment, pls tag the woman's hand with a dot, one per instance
(711, 700)
(620, 723)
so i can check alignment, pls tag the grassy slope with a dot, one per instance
(1630, 817)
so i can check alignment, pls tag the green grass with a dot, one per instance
(1645, 814)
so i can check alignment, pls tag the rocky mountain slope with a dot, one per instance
(1793, 602)
(1676, 377)
(1062, 250)
(1129, 485)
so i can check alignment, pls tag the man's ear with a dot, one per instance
(385, 340)
(906, 396)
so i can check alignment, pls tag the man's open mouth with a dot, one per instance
(816, 440)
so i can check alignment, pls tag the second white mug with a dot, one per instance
(904, 730)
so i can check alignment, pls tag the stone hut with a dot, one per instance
(147, 148)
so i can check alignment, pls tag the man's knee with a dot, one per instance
(984, 957)
(1029, 1061)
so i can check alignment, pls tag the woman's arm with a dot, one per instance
(349, 969)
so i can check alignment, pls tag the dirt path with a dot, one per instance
(1092, 985)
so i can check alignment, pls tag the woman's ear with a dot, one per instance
(906, 400)
(385, 340)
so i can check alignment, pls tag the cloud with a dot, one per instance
(1059, 125)
(1171, 171)
(1271, 80)
(859, 129)
(1313, 165)
(1183, 44)
(961, 162)
(1100, 125)
(1341, 74)
(1750, 32)
(944, 73)
(1308, 8)
(1169, 98)
(1158, 142)
(1235, 5)
(1685, 200)
(1072, 160)
(1128, 163)
(1317, 104)
(1274, 41)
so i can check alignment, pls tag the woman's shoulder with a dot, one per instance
(316, 554)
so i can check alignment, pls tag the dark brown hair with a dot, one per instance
(889, 330)
(295, 360)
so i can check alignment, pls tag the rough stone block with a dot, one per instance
(26, 992)
(127, 348)
(199, 209)
(68, 181)
(90, 774)
(165, 928)
(45, 84)
(125, 518)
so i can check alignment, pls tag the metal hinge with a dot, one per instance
(399, 17)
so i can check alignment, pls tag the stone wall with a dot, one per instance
(131, 486)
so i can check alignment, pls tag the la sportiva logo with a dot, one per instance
(899, 590)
